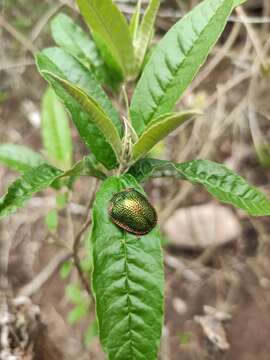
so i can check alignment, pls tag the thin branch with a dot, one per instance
(76, 257)
(44, 20)
(21, 64)
(253, 36)
(32, 287)
(77, 241)
(18, 36)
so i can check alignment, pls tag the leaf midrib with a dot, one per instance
(128, 293)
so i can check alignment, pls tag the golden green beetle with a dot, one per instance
(131, 211)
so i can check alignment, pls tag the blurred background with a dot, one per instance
(216, 258)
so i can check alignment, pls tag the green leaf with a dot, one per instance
(135, 20)
(221, 182)
(128, 281)
(22, 189)
(114, 71)
(67, 67)
(176, 60)
(146, 31)
(51, 220)
(71, 37)
(61, 64)
(19, 158)
(39, 178)
(56, 133)
(91, 107)
(104, 18)
(159, 130)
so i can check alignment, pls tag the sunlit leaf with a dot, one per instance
(176, 60)
(219, 181)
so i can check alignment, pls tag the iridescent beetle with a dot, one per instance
(131, 211)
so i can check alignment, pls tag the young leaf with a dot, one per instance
(55, 130)
(65, 66)
(176, 60)
(104, 18)
(91, 107)
(128, 281)
(223, 183)
(146, 31)
(135, 20)
(159, 130)
(19, 158)
(22, 189)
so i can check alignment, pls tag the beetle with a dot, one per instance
(131, 211)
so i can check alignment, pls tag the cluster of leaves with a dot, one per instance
(127, 275)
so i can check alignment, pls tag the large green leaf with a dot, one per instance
(145, 31)
(159, 130)
(22, 189)
(66, 67)
(39, 178)
(91, 107)
(128, 281)
(104, 18)
(176, 60)
(221, 182)
(18, 157)
(56, 133)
